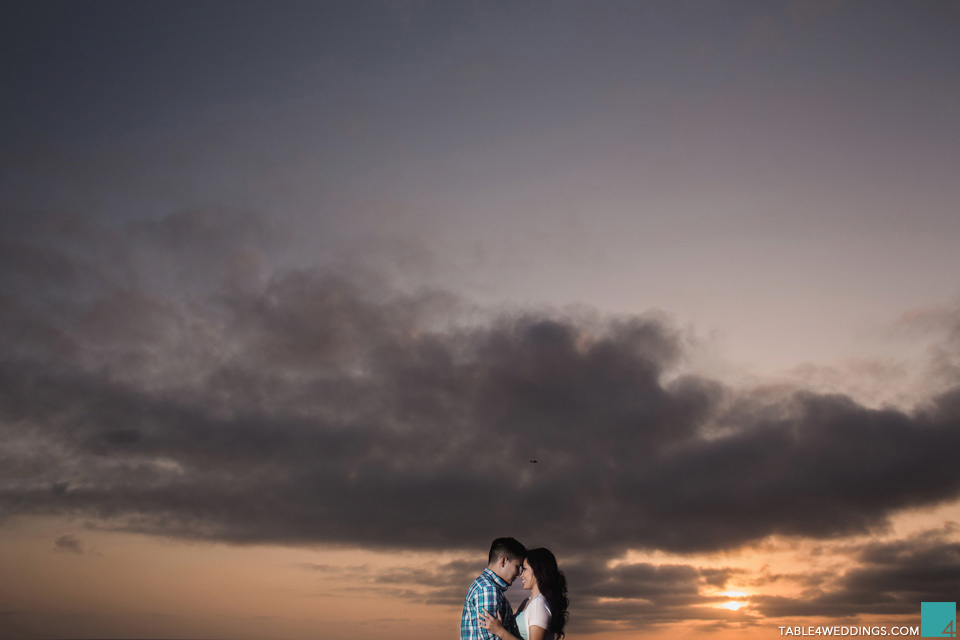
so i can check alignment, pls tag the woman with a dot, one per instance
(543, 615)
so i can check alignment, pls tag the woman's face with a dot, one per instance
(527, 579)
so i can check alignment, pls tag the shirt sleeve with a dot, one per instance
(485, 599)
(538, 614)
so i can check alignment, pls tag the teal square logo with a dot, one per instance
(938, 619)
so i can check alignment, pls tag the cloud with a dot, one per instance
(644, 594)
(939, 328)
(637, 594)
(69, 543)
(440, 584)
(890, 578)
(316, 404)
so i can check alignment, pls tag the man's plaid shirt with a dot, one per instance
(486, 593)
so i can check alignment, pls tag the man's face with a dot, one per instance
(508, 569)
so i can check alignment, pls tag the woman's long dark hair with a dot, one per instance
(553, 585)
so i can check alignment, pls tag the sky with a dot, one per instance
(292, 294)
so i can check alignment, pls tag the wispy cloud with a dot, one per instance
(69, 543)
(889, 578)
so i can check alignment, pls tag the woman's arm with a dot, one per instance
(536, 632)
(538, 619)
(495, 626)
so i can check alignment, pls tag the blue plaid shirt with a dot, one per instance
(486, 593)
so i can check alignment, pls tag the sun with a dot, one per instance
(734, 604)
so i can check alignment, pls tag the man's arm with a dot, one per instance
(486, 600)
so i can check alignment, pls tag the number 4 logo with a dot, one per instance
(938, 619)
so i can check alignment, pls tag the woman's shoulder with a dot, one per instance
(539, 601)
(538, 613)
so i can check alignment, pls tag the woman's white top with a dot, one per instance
(536, 613)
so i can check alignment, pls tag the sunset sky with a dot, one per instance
(292, 293)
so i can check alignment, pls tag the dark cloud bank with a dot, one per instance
(170, 378)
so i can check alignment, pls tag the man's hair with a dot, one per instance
(506, 547)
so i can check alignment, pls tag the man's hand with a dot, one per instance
(492, 624)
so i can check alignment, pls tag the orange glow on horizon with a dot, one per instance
(122, 582)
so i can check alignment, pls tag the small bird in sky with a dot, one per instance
(534, 461)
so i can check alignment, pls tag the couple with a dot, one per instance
(542, 616)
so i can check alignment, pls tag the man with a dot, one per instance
(486, 592)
